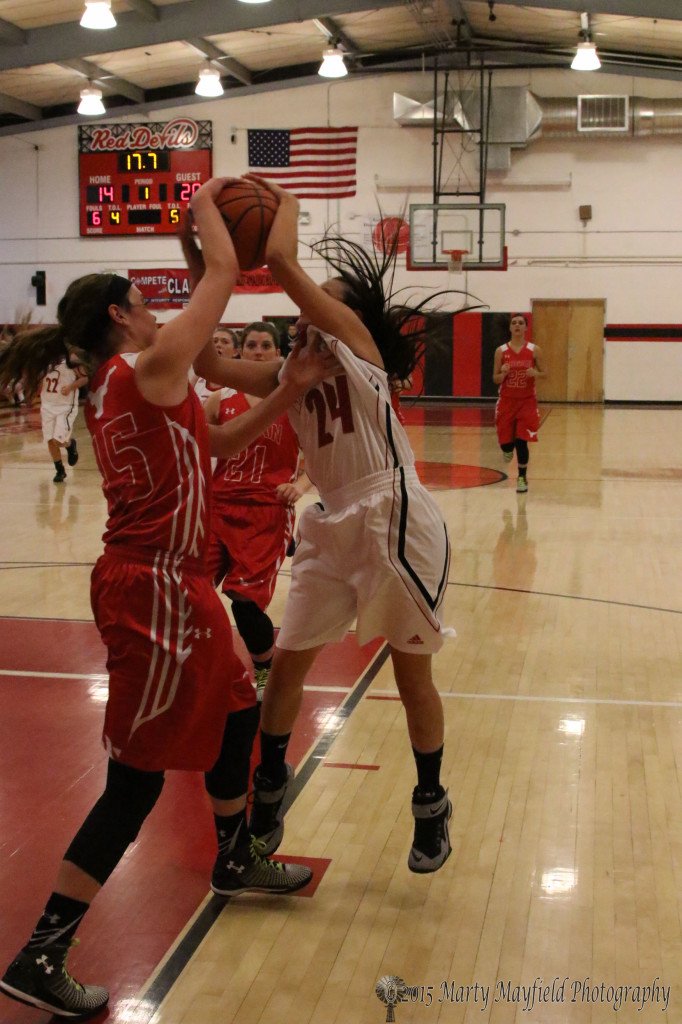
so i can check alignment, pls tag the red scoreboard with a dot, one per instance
(135, 178)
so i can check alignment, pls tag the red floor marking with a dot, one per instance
(380, 696)
(318, 865)
(52, 769)
(445, 476)
(340, 764)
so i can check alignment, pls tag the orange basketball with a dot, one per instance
(248, 211)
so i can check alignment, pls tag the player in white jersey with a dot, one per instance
(376, 546)
(58, 411)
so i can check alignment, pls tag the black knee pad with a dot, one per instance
(255, 627)
(522, 452)
(229, 776)
(115, 820)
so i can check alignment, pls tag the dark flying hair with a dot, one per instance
(81, 334)
(400, 331)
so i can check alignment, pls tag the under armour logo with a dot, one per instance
(231, 866)
(416, 639)
(205, 633)
(45, 964)
(54, 918)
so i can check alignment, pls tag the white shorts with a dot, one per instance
(58, 423)
(378, 550)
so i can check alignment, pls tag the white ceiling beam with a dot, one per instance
(10, 105)
(221, 59)
(10, 33)
(100, 76)
(146, 9)
(186, 20)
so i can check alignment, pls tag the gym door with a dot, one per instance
(570, 333)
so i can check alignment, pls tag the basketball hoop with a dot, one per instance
(455, 257)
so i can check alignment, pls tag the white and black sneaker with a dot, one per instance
(267, 817)
(431, 843)
(246, 869)
(38, 977)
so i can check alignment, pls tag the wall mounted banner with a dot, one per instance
(170, 288)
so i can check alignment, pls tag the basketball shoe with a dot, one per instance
(267, 817)
(431, 843)
(72, 452)
(247, 869)
(60, 475)
(521, 485)
(261, 676)
(38, 977)
(508, 456)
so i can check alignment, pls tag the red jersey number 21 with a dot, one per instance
(335, 398)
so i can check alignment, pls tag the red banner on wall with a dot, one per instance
(170, 289)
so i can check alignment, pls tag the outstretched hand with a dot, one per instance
(307, 365)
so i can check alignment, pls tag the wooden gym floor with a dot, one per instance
(563, 702)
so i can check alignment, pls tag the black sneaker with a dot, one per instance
(247, 869)
(431, 843)
(38, 977)
(60, 476)
(72, 452)
(267, 817)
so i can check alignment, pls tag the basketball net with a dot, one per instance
(455, 258)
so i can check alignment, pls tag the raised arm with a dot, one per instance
(321, 309)
(304, 368)
(162, 368)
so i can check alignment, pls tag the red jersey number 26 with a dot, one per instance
(335, 398)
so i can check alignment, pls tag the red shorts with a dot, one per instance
(517, 418)
(173, 672)
(247, 547)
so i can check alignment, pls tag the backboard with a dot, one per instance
(474, 229)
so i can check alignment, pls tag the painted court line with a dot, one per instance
(388, 694)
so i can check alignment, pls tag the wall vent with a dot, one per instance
(603, 114)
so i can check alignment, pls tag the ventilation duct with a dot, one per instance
(518, 117)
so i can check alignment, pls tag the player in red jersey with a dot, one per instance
(253, 498)
(518, 363)
(178, 695)
(227, 346)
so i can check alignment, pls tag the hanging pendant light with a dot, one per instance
(586, 58)
(97, 14)
(91, 102)
(332, 65)
(209, 83)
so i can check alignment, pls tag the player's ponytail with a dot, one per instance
(82, 334)
(30, 355)
(400, 331)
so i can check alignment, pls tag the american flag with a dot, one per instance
(313, 163)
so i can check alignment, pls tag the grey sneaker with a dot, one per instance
(507, 456)
(267, 817)
(38, 977)
(261, 676)
(247, 869)
(521, 485)
(431, 843)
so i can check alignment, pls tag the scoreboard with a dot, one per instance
(135, 178)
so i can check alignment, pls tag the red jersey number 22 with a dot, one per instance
(335, 398)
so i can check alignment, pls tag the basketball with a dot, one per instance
(248, 211)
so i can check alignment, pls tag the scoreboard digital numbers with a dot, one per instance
(135, 178)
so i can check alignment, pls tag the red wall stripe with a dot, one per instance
(466, 364)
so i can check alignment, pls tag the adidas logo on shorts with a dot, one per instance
(416, 639)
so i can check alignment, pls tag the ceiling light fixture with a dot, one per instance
(586, 57)
(491, 7)
(332, 65)
(255, 1)
(209, 83)
(91, 102)
(97, 14)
